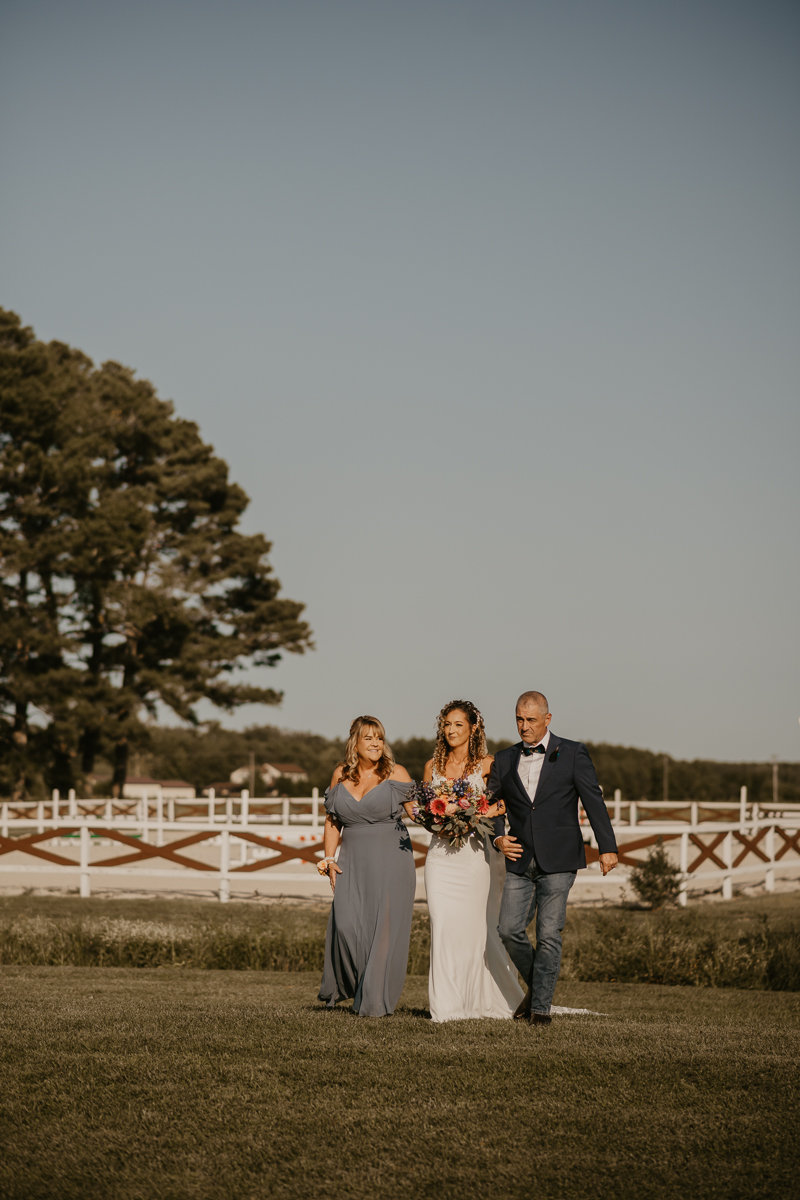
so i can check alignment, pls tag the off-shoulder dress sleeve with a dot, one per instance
(398, 792)
(330, 802)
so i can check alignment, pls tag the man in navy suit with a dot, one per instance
(541, 779)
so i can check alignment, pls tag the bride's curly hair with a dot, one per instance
(385, 764)
(476, 747)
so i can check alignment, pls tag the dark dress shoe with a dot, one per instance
(540, 1019)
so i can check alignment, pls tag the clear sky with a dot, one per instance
(492, 308)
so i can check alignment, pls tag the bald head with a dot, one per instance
(533, 717)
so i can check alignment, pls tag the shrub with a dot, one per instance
(680, 949)
(656, 882)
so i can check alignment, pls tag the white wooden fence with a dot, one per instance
(714, 844)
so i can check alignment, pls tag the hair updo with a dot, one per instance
(476, 747)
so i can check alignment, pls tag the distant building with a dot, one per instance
(271, 773)
(224, 790)
(137, 786)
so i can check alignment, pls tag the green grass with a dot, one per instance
(752, 943)
(232, 1085)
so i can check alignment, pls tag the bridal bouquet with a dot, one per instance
(431, 801)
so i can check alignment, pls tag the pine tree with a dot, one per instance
(126, 582)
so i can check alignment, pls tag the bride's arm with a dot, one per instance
(498, 808)
(427, 776)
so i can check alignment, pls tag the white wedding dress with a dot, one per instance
(471, 975)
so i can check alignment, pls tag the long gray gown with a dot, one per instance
(369, 929)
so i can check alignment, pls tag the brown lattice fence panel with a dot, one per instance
(751, 846)
(791, 841)
(29, 845)
(624, 849)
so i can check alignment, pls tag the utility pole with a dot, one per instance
(666, 777)
(252, 773)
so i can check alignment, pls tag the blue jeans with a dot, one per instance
(546, 895)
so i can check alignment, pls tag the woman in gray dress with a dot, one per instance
(373, 882)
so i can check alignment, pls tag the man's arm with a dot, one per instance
(594, 805)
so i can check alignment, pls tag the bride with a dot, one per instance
(470, 973)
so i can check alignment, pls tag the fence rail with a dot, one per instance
(285, 810)
(99, 838)
(146, 809)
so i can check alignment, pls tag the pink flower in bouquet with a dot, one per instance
(482, 805)
(464, 803)
(438, 806)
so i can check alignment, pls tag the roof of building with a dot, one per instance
(142, 780)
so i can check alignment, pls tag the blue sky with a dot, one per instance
(492, 308)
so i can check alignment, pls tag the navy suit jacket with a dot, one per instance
(548, 828)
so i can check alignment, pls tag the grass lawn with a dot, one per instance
(127, 1084)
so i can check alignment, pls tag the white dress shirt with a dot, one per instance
(530, 767)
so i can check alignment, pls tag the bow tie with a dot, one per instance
(526, 750)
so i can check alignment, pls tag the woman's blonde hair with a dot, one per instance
(385, 764)
(476, 747)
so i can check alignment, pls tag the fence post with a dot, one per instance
(229, 809)
(171, 810)
(244, 807)
(694, 815)
(632, 813)
(727, 883)
(40, 816)
(683, 895)
(285, 810)
(5, 818)
(315, 808)
(617, 806)
(109, 810)
(56, 798)
(769, 876)
(742, 809)
(73, 807)
(145, 817)
(159, 818)
(212, 806)
(86, 888)
(224, 866)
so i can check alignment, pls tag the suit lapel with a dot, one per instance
(547, 766)
(517, 752)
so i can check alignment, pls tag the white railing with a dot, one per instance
(243, 810)
(146, 809)
(257, 836)
(638, 812)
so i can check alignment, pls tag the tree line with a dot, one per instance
(126, 585)
(204, 757)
